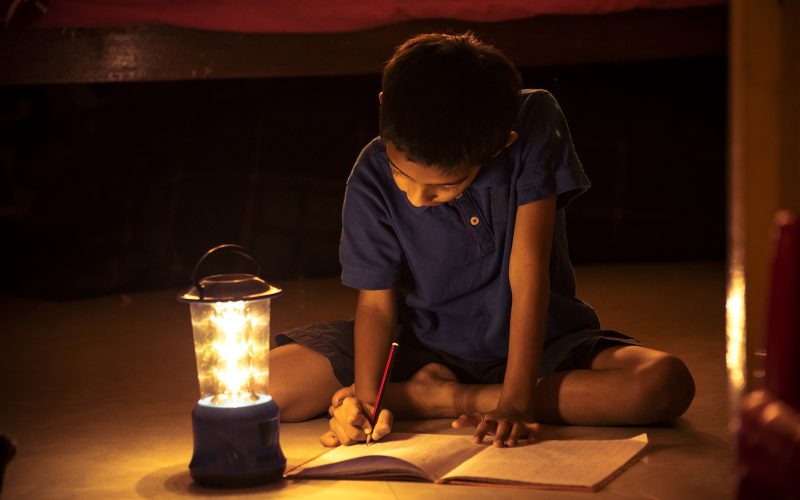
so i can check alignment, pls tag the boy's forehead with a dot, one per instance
(424, 174)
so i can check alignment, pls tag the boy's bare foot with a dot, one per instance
(430, 393)
(434, 374)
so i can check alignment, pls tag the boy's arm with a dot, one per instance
(530, 290)
(375, 322)
(376, 319)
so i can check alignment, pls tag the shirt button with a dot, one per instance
(474, 220)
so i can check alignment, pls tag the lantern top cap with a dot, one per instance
(228, 287)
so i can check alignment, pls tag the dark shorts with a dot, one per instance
(334, 340)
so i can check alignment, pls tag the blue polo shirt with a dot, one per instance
(449, 263)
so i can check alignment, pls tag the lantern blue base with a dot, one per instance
(236, 447)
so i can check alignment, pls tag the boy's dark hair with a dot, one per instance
(449, 101)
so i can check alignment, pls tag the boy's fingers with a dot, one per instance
(362, 424)
(349, 422)
(481, 430)
(383, 426)
(465, 421)
(350, 405)
(532, 430)
(516, 431)
(338, 432)
(352, 424)
(339, 396)
(346, 434)
(350, 414)
(329, 439)
(501, 434)
(358, 429)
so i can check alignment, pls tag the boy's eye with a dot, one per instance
(443, 187)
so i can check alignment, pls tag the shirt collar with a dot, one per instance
(493, 173)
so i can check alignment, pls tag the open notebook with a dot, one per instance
(557, 464)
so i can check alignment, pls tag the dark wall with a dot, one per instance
(119, 187)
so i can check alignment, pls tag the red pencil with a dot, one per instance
(387, 373)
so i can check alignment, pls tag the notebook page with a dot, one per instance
(432, 454)
(580, 464)
(373, 467)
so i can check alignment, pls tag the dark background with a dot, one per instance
(117, 187)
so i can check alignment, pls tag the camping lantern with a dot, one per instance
(235, 421)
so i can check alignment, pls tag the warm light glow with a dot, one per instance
(231, 344)
(233, 349)
(735, 334)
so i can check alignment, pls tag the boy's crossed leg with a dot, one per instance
(626, 385)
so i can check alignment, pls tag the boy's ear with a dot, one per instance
(512, 137)
(380, 97)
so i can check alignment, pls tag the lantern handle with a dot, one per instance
(225, 246)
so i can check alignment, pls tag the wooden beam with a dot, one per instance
(158, 52)
(764, 163)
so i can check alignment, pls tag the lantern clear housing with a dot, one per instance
(231, 342)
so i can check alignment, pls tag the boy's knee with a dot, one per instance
(301, 382)
(663, 390)
(286, 398)
(295, 400)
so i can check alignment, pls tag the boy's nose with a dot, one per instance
(418, 197)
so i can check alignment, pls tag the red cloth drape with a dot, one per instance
(321, 16)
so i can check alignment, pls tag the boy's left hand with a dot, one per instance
(508, 426)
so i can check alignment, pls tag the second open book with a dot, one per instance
(553, 464)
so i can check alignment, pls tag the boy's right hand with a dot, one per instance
(349, 423)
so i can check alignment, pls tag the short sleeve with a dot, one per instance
(369, 251)
(547, 162)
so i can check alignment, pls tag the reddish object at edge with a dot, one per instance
(769, 433)
(783, 327)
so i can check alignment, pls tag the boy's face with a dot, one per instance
(425, 185)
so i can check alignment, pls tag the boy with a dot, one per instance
(453, 227)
